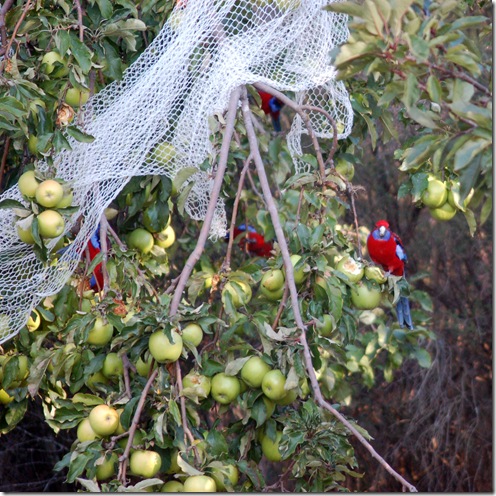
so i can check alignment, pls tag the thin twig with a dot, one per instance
(3, 164)
(80, 20)
(227, 260)
(214, 195)
(127, 367)
(284, 299)
(351, 193)
(134, 424)
(319, 399)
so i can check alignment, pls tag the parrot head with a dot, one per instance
(382, 226)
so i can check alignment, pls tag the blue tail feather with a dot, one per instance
(403, 312)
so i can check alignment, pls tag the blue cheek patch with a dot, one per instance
(376, 235)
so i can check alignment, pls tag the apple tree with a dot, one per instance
(196, 365)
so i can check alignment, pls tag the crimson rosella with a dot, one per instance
(385, 249)
(272, 106)
(253, 242)
(96, 281)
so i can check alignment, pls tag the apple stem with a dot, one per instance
(271, 206)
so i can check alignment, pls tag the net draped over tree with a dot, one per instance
(156, 120)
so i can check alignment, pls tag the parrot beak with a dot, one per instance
(382, 231)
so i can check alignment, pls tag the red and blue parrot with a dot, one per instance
(96, 281)
(253, 242)
(272, 106)
(386, 249)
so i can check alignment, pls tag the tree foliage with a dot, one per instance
(431, 66)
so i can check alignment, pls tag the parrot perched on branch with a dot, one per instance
(253, 242)
(272, 106)
(386, 249)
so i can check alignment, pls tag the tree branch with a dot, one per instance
(16, 28)
(219, 178)
(3, 12)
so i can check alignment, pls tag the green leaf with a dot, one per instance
(472, 223)
(90, 485)
(419, 182)
(350, 8)
(62, 41)
(372, 130)
(400, 8)
(174, 411)
(79, 135)
(81, 53)
(434, 89)
(424, 117)
(423, 357)
(105, 7)
(466, 153)
(217, 444)
(486, 210)
(8, 204)
(234, 366)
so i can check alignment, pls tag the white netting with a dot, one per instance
(206, 49)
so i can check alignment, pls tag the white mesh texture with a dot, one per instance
(205, 50)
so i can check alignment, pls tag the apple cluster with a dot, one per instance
(443, 199)
(48, 199)
(14, 371)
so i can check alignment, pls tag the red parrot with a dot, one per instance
(272, 106)
(96, 281)
(253, 242)
(386, 249)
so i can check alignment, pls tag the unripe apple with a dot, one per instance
(172, 487)
(49, 193)
(76, 98)
(28, 184)
(238, 299)
(25, 235)
(66, 200)
(85, 432)
(351, 268)
(34, 321)
(164, 350)
(101, 332)
(254, 371)
(192, 334)
(107, 468)
(145, 463)
(364, 298)
(375, 274)
(50, 59)
(201, 384)
(112, 365)
(225, 388)
(104, 420)
(273, 280)
(444, 212)
(165, 239)
(199, 484)
(164, 153)
(5, 397)
(97, 377)
(219, 476)
(273, 385)
(142, 367)
(300, 274)
(271, 448)
(50, 224)
(436, 193)
(141, 239)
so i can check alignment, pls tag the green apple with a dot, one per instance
(436, 192)
(172, 487)
(32, 142)
(143, 367)
(444, 212)
(141, 239)
(273, 280)
(50, 59)
(164, 350)
(49, 193)
(271, 448)
(219, 475)
(288, 398)
(254, 371)
(112, 365)
(145, 463)
(225, 388)
(165, 239)
(201, 384)
(107, 468)
(164, 153)
(25, 235)
(240, 293)
(50, 224)
(104, 420)
(199, 484)
(101, 332)
(273, 385)
(454, 198)
(85, 432)
(34, 321)
(95, 378)
(345, 168)
(192, 334)
(351, 268)
(75, 97)
(375, 274)
(137, 441)
(300, 274)
(66, 200)
(364, 298)
(28, 184)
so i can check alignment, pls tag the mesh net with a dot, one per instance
(156, 121)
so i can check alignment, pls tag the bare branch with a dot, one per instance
(214, 195)
(80, 19)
